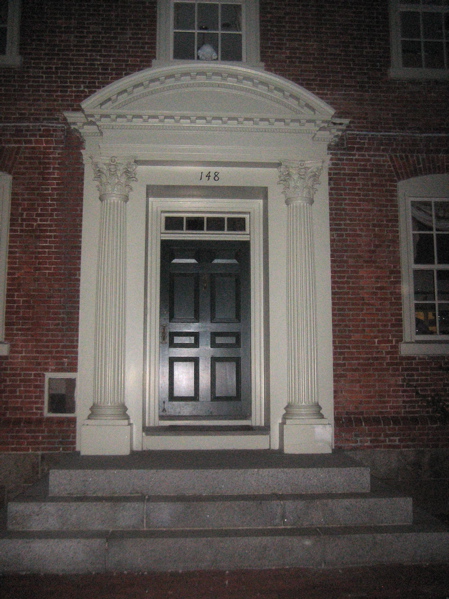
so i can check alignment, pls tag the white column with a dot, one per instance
(107, 429)
(303, 427)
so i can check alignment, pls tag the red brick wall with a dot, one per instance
(338, 50)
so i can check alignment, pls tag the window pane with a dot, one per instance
(424, 251)
(443, 248)
(441, 216)
(432, 25)
(443, 285)
(216, 223)
(174, 223)
(195, 223)
(443, 319)
(184, 16)
(425, 319)
(410, 25)
(3, 12)
(61, 395)
(424, 288)
(411, 54)
(184, 46)
(3, 32)
(231, 46)
(231, 17)
(236, 223)
(208, 46)
(208, 17)
(434, 55)
(422, 218)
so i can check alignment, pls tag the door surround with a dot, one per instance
(167, 125)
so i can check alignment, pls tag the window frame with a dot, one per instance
(12, 57)
(5, 207)
(430, 187)
(397, 71)
(250, 35)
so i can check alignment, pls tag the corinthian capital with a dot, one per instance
(114, 176)
(299, 180)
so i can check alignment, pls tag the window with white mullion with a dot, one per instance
(430, 270)
(420, 37)
(205, 30)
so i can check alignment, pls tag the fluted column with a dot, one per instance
(300, 180)
(114, 176)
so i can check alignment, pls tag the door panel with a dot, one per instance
(205, 353)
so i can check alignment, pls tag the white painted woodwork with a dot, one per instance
(177, 122)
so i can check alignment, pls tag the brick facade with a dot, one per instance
(337, 50)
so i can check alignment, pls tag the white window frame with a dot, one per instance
(430, 187)
(397, 71)
(5, 204)
(12, 57)
(251, 42)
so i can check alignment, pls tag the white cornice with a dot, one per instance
(207, 97)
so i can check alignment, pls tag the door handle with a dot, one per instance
(163, 336)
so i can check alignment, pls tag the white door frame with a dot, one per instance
(157, 207)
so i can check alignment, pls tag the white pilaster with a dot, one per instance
(303, 427)
(107, 429)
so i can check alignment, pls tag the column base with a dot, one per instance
(306, 436)
(106, 437)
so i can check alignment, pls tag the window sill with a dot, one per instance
(170, 63)
(425, 348)
(420, 74)
(13, 61)
(4, 348)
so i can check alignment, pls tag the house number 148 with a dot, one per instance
(210, 176)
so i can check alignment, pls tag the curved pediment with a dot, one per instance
(205, 96)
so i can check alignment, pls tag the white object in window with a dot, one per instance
(5, 202)
(419, 39)
(60, 388)
(208, 30)
(9, 33)
(424, 220)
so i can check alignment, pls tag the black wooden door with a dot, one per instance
(205, 330)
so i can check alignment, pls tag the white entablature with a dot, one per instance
(207, 97)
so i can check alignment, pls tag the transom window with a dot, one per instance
(430, 240)
(208, 223)
(420, 36)
(207, 31)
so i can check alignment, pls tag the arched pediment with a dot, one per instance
(206, 96)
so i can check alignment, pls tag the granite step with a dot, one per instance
(202, 512)
(185, 550)
(192, 473)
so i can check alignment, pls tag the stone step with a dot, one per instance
(215, 473)
(193, 512)
(158, 551)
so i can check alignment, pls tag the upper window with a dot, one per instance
(208, 30)
(9, 33)
(420, 38)
(425, 260)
